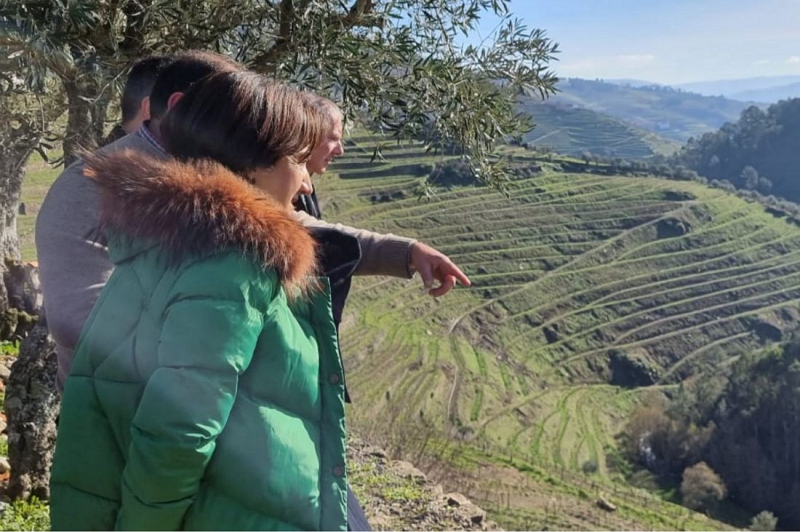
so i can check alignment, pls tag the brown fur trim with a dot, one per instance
(199, 207)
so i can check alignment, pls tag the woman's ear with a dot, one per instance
(173, 99)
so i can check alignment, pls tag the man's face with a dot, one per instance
(330, 148)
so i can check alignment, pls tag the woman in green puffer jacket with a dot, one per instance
(206, 390)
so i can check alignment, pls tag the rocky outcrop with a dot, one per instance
(398, 496)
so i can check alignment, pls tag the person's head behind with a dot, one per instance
(331, 144)
(135, 103)
(261, 130)
(185, 69)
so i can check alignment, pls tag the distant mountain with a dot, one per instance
(730, 87)
(636, 83)
(770, 95)
(671, 113)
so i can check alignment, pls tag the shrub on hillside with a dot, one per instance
(702, 489)
(452, 173)
(663, 442)
(424, 169)
(589, 467)
(764, 521)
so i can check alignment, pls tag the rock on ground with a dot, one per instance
(397, 496)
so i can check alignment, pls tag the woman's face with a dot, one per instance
(329, 148)
(283, 181)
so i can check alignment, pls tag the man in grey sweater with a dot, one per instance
(73, 258)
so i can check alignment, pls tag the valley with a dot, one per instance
(590, 292)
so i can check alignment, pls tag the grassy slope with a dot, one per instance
(37, 182)
(675, 115)
(566, 269)
(572, 131)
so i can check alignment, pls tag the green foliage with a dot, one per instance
(402, 492)
(22, 515)
(702, 488)
(589, 467)
(764, 520)
(451, 173)
(662, 443)
(749, 177)
(745, 423)
(394, 64)
(758, 152)
(758, 423)
(9, 348)
(367, 480)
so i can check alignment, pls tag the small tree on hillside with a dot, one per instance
(764, 521)
(701, 488)
(749, 178)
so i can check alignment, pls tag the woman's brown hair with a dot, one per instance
(242, 120)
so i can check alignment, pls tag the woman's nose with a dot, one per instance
(306, 187)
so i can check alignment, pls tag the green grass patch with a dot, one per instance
(25, 515)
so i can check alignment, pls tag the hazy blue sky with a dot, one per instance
(668, 41)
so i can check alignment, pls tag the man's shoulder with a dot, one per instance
(72, 193)
(130, 142)
(72, 178)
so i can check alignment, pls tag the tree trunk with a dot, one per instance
(13, 159)
(32, 406)
(87, 104)
(13, 162)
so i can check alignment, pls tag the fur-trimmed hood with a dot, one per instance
(199, 208)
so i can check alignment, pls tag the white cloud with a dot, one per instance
(636, 59)
(604, 65)
(793, 60)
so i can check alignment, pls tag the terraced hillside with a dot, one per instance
(676, 115)
(589, 292)
(573, 130)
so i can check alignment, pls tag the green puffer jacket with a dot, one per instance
(200, 396)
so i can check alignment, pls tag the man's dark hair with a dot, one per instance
(243, 121)
(139, 85)
(185, 69)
